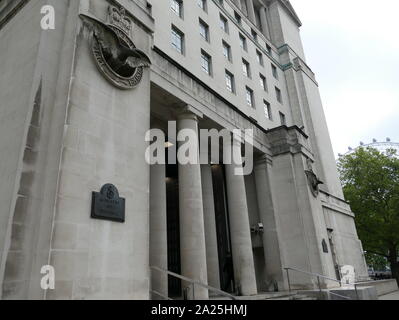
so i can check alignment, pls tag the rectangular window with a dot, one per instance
(250, 97)
(243, 42)
(268, 110)
(259, 57)
(274, 71)
(278, 95)
(204, 30)
(230, 85)
(206, 63)
(226, 51)
(177, 7)
(262, 80)
(246, 69)
(237, 17)
(254, 35)
(202, 4)
(282, 119)
(224, 24)
(269, 49)
(177, 40)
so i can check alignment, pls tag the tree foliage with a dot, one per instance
(371, 185)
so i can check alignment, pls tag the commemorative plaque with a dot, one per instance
(107, 205)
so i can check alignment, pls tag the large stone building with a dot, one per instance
(72, 120)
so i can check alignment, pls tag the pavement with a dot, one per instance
(390, 296)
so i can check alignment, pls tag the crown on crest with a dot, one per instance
(119, 18)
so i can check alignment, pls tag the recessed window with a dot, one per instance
(227, 51)
(177, 40)
(206, 63)
(237, 17)
(221, 2)
(283, 121)
(269, 49)
(177, 7)
(278, 95)
(254, 35)
(224, 25)
(262, 80)
(204, 30)
(230, 85)
(243, 42)
(274, 71)
(259, 57)
(246, 68)
(202, 4)
(250, 97)
(268, 110)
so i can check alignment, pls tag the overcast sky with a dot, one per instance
(353, 47)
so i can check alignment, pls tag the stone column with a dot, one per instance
(243, 261)
(212, 255)
(192, 233)
(251, 11)
(271, 244)
(264, 22)
(158, 229)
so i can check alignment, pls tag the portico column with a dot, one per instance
(271, 244)
(264, 22)
(192, 233)
(212, 255)
(251, 11)
(158, 228)
(243, 261)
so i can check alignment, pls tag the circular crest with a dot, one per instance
(124, 78)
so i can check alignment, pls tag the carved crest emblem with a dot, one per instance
(313, 180)
(113, 50)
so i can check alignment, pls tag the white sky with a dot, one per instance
(353, 47)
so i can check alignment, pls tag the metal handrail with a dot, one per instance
(192, 282)
(318, 280)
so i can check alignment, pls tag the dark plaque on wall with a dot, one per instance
(107, 205)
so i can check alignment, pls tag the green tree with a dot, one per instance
(371, 185)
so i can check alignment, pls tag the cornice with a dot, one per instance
(10, 10)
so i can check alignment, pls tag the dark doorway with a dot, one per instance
(223, 230)
(172, 196)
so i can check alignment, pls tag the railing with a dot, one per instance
(320, 276)
(192, 285)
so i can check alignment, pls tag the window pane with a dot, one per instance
(176, 7)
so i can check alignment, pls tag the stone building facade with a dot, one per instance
(71, 122)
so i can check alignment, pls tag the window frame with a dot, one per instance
(249, 93)
(232, 88)
(204, 26)
(175, 30)
(208, 59)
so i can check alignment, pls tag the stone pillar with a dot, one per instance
(251, 11)
(264, 22)
(271, 243)
(243, 261)
(158, 229)
(192, 233)
(212, 255)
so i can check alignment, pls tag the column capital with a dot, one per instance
(262, 161)
(188, 112)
